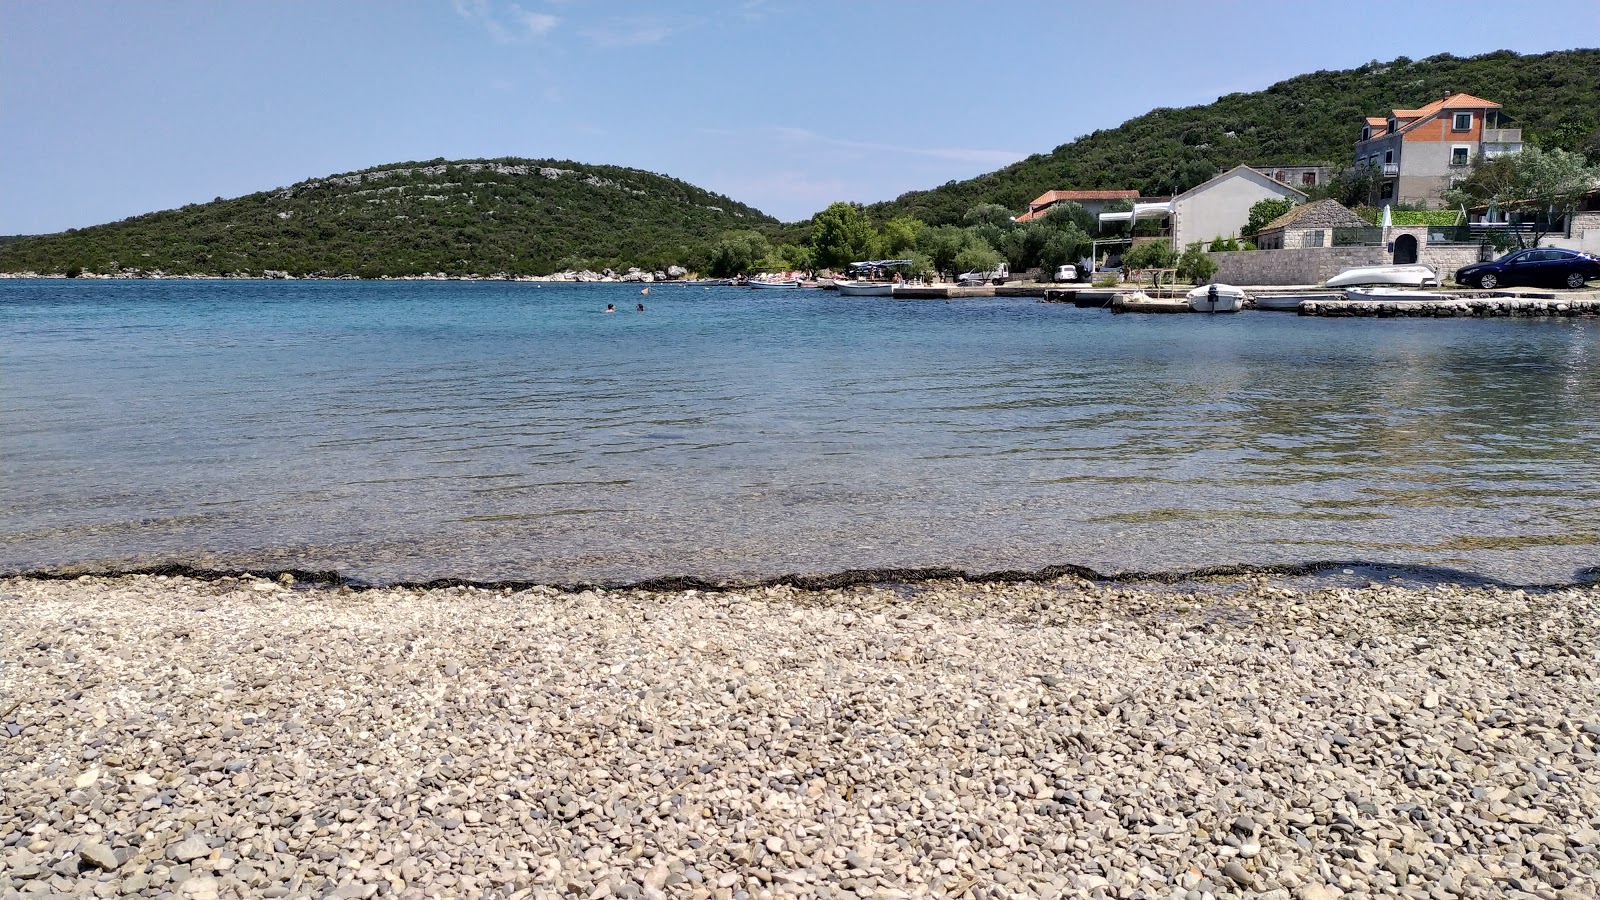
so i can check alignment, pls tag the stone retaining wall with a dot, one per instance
(1482, 308)
(1318, 264)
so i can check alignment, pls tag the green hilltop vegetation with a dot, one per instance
(1309, 119)
(468, 217)
(534, 217)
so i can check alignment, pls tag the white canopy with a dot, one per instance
(1139, 211)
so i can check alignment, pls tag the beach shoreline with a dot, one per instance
(168, 736)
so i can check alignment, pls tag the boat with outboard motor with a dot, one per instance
(1215, 298)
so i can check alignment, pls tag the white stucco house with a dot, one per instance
(1217, 208)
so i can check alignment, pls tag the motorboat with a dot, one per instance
(865, 288)
(1410, 276)
(1391, 295)
(1214, 298)
(773, 283)
(1287, 302)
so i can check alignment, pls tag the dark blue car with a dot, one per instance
(1547, 267)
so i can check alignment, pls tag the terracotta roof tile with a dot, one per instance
(1056, 196)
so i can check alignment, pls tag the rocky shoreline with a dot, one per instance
(172, 737)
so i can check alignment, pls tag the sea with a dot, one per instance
(403, 432)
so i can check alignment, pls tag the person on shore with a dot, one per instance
(611, 307)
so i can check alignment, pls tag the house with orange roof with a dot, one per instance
(1419, 153)
(1093, 201)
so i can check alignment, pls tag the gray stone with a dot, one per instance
(98, 856)
(1238, 874)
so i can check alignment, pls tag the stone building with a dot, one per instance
(1307, 225)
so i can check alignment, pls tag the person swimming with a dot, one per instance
(641, 307)
(611, 307)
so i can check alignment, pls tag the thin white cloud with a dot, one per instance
(507, 24)
(959, 154)
(534, 24)
(629, 33)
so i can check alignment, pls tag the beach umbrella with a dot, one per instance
(1388, 218)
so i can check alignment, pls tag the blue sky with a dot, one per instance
(114, 108)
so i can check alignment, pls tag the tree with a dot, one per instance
(899, 234)
(1023, 245)
(1194, 266)
(1265, 211)
(942, 244)
(1354, 186)
(1537, 185)
(841, 235)
(1065, 246)
(1071, 212)
(988, 214)
(977, 257)
(1149, 255)
(736, 253)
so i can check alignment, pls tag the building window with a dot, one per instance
(1388, 157)
(1314, 238)
(1391, 126)
(1460, 155)
(1387, 191)
(1463, 122)
(1366, 132)
(1308, 179)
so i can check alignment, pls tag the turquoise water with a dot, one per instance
(409, 431)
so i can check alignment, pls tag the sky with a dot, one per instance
(115, 108)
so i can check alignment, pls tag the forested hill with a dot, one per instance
(1313, 118)
(470, 217)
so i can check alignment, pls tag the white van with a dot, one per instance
(1000, 275)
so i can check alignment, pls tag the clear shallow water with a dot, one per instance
(409, 431)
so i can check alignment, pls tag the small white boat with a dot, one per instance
(1391, 295)
(1214, 298)
(1411, 276)
(764, 283)
(865, 288)
(1287, 302)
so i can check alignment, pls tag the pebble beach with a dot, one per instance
(184, 738)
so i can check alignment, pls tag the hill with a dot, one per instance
(468, 217)
(1308, 119)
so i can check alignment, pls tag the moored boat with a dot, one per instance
(1213, 298)
(1411, 276)
(1391, 295)
(1287, 302)
(865, 288)
(773, 283)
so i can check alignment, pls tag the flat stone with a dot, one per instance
(98, 856)
(189, 849)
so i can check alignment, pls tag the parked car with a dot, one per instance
(999, 275)
(1066, 273)
(1545, 267)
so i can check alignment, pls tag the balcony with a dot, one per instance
(1502, 135)
(1391, 170)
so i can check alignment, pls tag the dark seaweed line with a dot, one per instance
(1587, 577)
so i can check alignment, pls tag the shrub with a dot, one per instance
(1149, 255)
(1194, 266)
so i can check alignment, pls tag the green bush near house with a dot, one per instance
(1194, 266)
